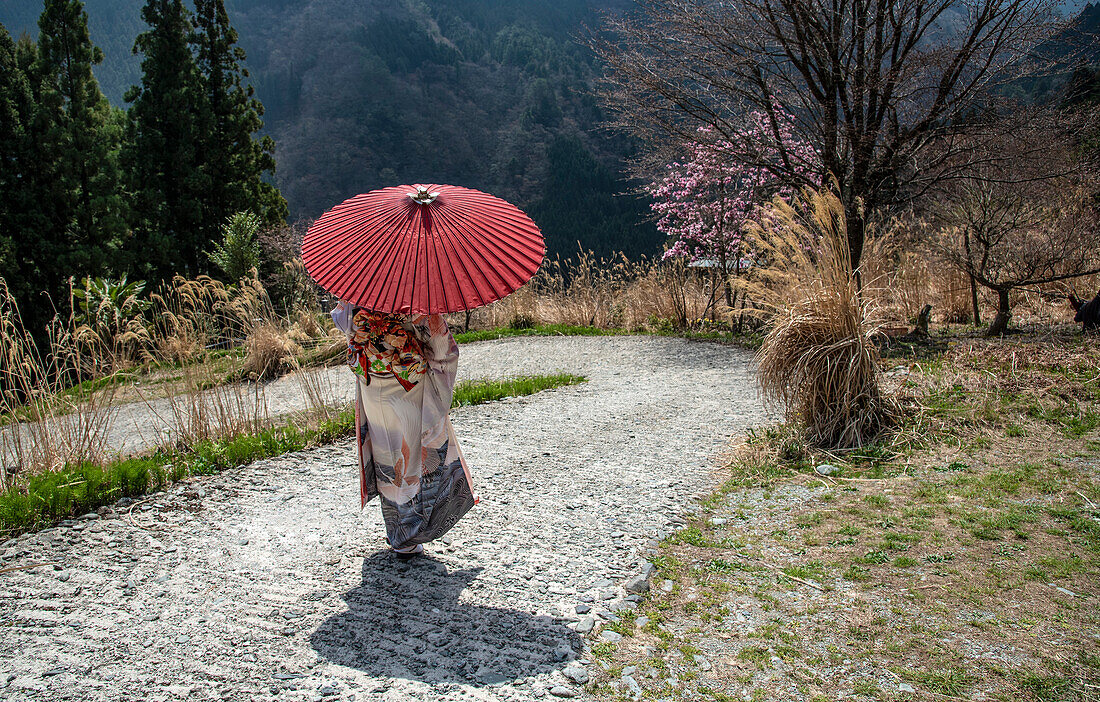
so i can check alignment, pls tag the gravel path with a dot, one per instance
(267, 582)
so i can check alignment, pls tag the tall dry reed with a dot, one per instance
(818, 359)
(50, 415)
(605, 293)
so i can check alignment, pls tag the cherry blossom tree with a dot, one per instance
(705, 200)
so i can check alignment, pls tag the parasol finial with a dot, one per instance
(422, 196)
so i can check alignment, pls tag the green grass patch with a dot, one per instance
(756, 655)
(46, 498)
(536, 330)
(949, 681)
(476, 392)
(1074, 420)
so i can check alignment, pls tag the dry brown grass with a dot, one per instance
(818, 360)
(902, 274)
(55, 419)
(269, 353)
(51, 418)
(615, 293)
(963, 565)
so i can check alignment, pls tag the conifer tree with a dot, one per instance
(34, 249)
(15, 196)
(162, 156)
(234, 161)
(84, 134)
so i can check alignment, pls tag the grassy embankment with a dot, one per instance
(47, 497)
(958, 560)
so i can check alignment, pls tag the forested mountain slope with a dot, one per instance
(491, 94)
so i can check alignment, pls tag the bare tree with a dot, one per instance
(871, 83)
(1023, 219)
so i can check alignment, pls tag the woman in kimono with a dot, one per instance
(409, 457)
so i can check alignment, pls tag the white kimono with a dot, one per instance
(408, 455)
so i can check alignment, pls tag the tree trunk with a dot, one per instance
(1000, 322)
(974, 301)
(857, 230)
(922, 322)
(712, 303)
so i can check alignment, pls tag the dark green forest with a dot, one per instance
(89, 189)
(490, 94)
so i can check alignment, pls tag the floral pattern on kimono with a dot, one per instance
(409, 456)
(379, 344)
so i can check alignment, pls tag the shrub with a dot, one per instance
(818, 360)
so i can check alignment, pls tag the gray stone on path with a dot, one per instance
(576, 673)
(638, 585)
(604, 447)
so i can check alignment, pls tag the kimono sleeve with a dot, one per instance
(441, 355)
(342, 316)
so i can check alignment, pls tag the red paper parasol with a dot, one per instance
(423, 249)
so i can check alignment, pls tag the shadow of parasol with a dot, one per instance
(408, 621)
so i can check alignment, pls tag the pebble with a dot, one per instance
(906, 687)
(563, 691)
(640, 622)
(583, 609)
(585, 625)
(825, 469)
(608, 636)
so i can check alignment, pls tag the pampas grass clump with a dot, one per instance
(269, 353)
(818, 360)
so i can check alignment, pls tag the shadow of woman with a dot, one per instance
(406, 621)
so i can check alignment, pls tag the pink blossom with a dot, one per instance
(704, 201)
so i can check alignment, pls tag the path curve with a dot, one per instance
(267, 582)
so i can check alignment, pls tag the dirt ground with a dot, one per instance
(958, 559)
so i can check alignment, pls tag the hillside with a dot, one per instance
(491, 94)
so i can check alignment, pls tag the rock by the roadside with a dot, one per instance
(576, 673)
(583, 609)
(632, 685)
(825, 469)
(639, 585)
(610, 636)
(585, 625)
(563, 691)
